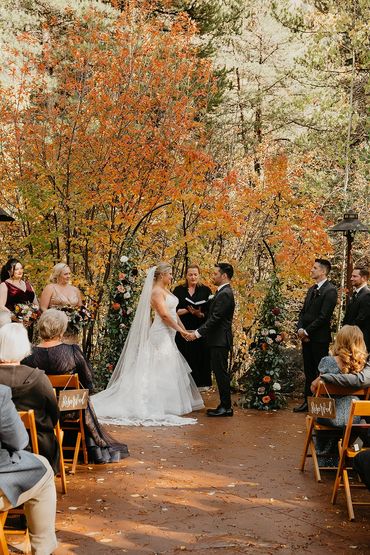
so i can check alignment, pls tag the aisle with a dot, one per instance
(222, 487)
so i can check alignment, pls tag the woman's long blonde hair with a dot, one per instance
(349, 346)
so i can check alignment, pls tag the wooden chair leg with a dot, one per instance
(315, 462)
(338, 477)
(347, 490)
(76, 452)
(3, 543)
(306, 443)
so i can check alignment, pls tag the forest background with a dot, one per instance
(183, 130)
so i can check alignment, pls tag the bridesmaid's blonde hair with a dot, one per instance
(349, 346)
(56, 271)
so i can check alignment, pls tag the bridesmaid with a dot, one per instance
(15, 290)
(192, 310)
(61, 293)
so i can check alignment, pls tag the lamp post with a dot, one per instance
(349, 226)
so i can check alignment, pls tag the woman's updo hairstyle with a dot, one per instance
(57, 270)
(162, 268)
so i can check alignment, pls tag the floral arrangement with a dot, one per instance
(26, 312)
(262, 382)
(78, 317)
(122, 297)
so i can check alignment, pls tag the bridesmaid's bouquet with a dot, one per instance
(78, 317)
(27, 313)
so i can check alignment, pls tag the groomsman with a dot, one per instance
(358, 307)
(314, 324)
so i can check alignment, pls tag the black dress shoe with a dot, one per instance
(302, 408)
(220, 411)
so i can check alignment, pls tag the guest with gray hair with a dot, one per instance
(56, 357)
(26, 479)
(31, 389)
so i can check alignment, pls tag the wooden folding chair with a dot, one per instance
(347, 453)
(3, 544)
(28, 419)
(75, 425)
(324, 390)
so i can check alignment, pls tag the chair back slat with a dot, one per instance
(332, 389)
(28, 419)
(67, 381)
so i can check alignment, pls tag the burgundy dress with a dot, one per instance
(18, 296)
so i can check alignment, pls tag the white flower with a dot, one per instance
(124, 259)
(261, 390)
(127, 295)
(272, 331)
(269, 341)
(264, 332)
(128, 311)
(276, 386)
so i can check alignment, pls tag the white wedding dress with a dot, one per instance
(152, 384)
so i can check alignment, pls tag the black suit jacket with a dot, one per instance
(358, 313)
(317, 311)
(217, 328)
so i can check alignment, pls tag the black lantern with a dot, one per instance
(5, 217)
(348, 226)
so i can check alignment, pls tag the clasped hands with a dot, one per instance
(188, 335)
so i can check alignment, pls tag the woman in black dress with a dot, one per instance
(55, 357)
(192, 310)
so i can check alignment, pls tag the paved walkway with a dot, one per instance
(223, 486)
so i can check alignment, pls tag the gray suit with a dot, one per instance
(26, 479)
(19, 470)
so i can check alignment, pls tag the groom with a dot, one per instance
(218, 334)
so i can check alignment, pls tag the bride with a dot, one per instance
(151, 384)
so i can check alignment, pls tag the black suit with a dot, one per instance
(315, 318)
(358, 313)
(218, 333)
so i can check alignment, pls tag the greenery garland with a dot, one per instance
(262, 382)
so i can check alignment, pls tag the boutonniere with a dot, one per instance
(211, 297)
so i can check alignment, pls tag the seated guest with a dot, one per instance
(361, 464)
(56, 357)
(349, 358)
(26, 479)
(31, 389)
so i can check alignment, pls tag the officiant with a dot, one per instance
(194, 298)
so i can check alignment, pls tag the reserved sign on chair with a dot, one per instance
(321, 407)
(73, 399)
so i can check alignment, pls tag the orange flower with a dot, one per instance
(264, 346)
(266, 379)
(116, 306)
(266, 399)
(121, 275)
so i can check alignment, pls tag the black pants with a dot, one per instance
(219, 357)
(312, 354)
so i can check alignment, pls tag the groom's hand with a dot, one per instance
(191, 336)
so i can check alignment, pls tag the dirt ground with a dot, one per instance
(223, 486)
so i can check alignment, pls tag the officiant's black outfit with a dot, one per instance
(218, 333)
(358, 313)
(195, 352)
(315, 319)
